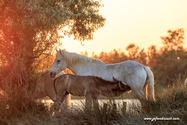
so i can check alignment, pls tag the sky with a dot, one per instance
(141, 22)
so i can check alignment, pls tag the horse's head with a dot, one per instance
(59, 64)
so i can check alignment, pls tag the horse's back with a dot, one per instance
(123, 70)
(131, 65)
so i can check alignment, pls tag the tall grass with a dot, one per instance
(17, 106)
(171, 103)
(17, 86)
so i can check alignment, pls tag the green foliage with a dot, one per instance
(29, 28)
(170, 65)
(29, 32)
(170, 62)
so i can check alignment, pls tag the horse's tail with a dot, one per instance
(150, 82)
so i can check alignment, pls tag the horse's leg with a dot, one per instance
(137, 83)
(88, 104)
(67, 99)
(95, 103)
(64, 98)
(59, 99)
(57, 104)
(139, 93)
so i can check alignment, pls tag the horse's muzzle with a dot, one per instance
(52, 74)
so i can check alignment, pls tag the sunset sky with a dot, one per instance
(141, 22)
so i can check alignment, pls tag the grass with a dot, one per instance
(17, 108)
(172, 102)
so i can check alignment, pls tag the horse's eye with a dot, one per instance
(58, 61)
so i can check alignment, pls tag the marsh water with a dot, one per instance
(130, 104)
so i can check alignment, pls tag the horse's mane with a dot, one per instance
(74, 57)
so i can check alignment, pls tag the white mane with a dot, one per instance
(74, 57)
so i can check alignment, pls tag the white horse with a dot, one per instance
(131, 73)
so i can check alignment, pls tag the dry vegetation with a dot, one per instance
(28, 33)
(17, 106)
(171, 103)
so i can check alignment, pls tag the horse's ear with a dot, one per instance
(56, 49)
(61, 53)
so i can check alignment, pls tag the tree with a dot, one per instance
(142, 57)
(174, 40)
(29, 28)
(132, 51)
(152, 55)
(170, 61)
